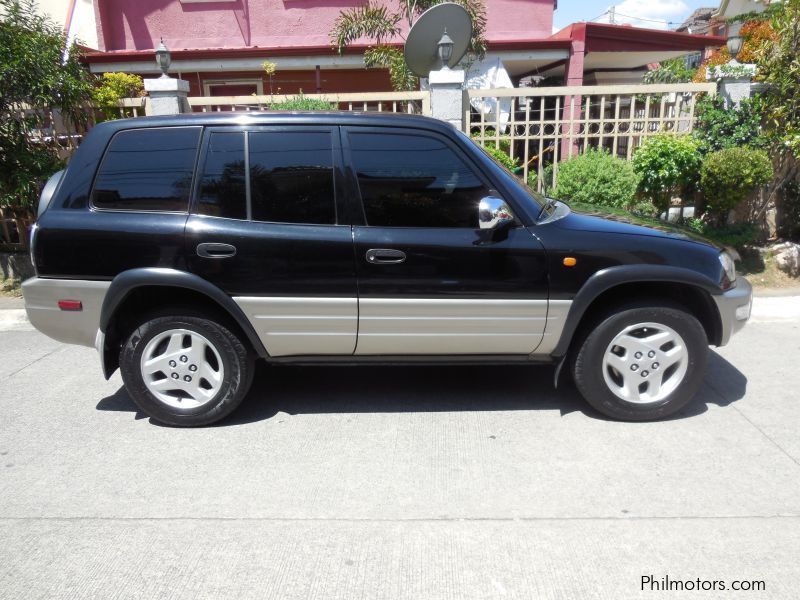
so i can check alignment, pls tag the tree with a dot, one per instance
(673, 70)
(380, 24)
(779, 65)
(113, 87)
(779, 68)
(38, 72)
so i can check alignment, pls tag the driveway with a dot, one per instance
(401, 482)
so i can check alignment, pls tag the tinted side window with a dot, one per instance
(414, 181)
(291, 176)
(222, 188)
(147, 169)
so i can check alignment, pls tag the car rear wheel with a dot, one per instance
(642, 363)
(185, 370)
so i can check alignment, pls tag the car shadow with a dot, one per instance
(435, 388)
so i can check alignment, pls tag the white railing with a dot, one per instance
(542, 126)
(395, 102)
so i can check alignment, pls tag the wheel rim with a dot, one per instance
(645, 363)
(182, 369)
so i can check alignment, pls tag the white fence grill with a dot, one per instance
(418, 103)
(542, 126)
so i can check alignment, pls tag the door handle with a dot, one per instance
(385, 256)
(208, 250)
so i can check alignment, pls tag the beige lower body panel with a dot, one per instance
(448, 326)
(557, 312)
(70, 327)
(303, 326)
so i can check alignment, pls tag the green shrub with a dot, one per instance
(666, 164)
(737, 235)
(112, 88)
(596, 177)
(721, 127)
(533, 179)
(302, 103)
(645, 208)
(547, 179)
(490, 138)
(728, 176)
(501, 156)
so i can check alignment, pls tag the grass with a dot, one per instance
(763, 272)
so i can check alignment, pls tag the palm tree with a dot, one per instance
(380, 24)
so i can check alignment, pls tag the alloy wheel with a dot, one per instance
(645, 363)
(182, 369)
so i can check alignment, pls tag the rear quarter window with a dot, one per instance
(147, 170)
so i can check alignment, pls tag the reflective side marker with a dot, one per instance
(73, 305)
(569, 261)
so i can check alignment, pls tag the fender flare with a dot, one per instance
(608, 278)
(127, 281)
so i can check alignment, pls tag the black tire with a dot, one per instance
(587, 366)
(237, 361)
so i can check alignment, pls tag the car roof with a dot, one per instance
(259, 117)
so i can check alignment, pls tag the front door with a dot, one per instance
(430, 281)
(265, 228)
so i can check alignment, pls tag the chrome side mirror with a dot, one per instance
(494, 213)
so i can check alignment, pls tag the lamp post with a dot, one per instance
(168, 95)
(735, 40)
(445, 48)
(163, 58)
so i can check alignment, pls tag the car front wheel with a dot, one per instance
(642, 362)
(185, 370)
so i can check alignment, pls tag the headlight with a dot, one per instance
(728, 266)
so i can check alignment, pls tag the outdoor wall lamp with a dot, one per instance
(735, 39)
(163, 58)
(445, 46)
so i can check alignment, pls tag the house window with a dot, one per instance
(233, 87)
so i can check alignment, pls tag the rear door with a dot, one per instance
(430, 281)
(267, 228)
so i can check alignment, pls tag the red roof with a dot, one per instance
(597, 37)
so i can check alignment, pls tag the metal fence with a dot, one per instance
(542, 126)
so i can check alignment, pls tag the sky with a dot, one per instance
(660, 14)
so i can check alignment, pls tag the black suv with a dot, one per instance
(184, 248)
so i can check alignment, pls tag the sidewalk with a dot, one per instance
(11, 303)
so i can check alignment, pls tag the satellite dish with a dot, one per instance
(421, 49)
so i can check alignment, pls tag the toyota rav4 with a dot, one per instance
(186, 248)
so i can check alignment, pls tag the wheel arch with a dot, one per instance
(137, 291)
(617, 285)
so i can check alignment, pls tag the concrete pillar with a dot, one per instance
(167, 96)
(447, 96)
(572, 105)
(734, 89)
(735, 81)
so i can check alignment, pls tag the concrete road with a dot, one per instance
(405, 482)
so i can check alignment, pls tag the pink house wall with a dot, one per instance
(138, 24)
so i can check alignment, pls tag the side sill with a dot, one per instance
(438, 359)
